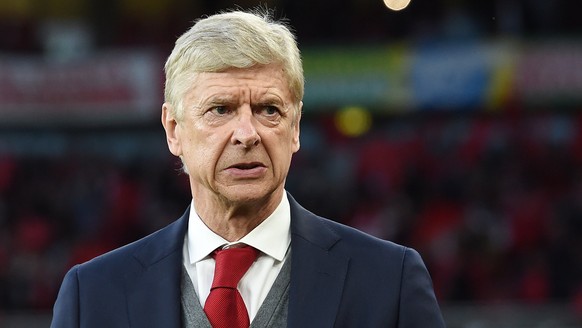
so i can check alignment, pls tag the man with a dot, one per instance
(233, 98)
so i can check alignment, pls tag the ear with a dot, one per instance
(295, 141)
(172, 129)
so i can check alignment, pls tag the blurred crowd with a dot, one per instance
(29, 26)
(493, 202)
(60, 209)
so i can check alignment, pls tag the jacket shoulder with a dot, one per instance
(359, 241)
(141, 252)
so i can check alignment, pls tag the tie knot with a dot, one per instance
(231, 265)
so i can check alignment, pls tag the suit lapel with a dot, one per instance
(317, 274)
(317, 271)
(153, 291)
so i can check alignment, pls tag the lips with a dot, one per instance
(246, 166)
(246, 171)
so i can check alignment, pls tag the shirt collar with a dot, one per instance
(272, 236)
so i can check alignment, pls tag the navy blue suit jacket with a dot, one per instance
(340, 277)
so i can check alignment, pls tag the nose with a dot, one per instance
(245, 132)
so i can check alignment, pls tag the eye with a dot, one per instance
(270, 111)
(220, 110)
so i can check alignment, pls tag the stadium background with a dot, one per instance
(453, 127)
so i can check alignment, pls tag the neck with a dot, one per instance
(234, 220)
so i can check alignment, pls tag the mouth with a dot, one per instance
(246, 171)
(246, 166)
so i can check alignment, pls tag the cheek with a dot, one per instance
(281, 150)
(201, 153)
(205, 150)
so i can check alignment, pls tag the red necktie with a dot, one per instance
(224, 306)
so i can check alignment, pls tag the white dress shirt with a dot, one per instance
(272, 238)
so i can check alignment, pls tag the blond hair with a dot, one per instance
(232, 39)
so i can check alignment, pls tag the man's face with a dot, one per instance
(237, 134)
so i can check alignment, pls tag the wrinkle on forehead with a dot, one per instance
(239, 86)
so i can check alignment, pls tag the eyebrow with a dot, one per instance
(271, 100)
(223, 99)
(217, 100)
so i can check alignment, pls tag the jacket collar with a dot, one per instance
(153, 292)
(318, 270)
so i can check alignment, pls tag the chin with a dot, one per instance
(247, 194)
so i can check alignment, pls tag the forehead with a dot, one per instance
(248, 83)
